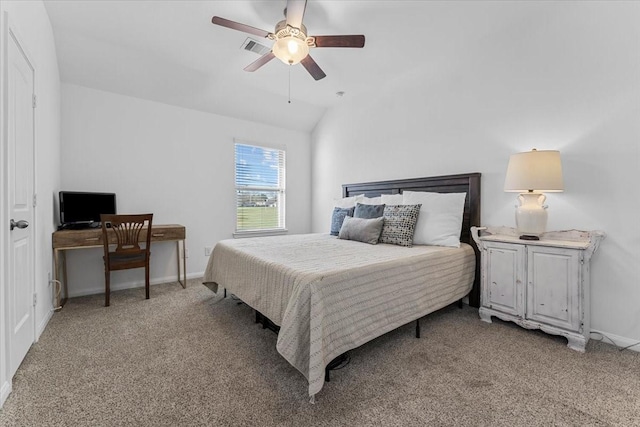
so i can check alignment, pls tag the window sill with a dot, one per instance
(259, 233)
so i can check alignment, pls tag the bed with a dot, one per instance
(329, 295)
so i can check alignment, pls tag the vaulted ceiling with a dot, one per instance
(169, 52)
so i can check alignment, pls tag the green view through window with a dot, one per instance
(260, 188)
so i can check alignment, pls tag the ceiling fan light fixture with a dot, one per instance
(290, 45)
(290, 50)
(290, 41)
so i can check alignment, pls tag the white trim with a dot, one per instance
(280, 190)
(617, 339)
(43, 324)
(259, 233)
(280, 147)
(5, 388)
(132, 284)
(5, 391)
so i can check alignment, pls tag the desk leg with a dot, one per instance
(65, 289)
(56, 273)
(60, 262)
(183, 282)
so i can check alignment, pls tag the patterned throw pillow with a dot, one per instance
(339, 214)
(399, 224)
(368, 211)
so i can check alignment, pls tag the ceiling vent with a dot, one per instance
(255, 47)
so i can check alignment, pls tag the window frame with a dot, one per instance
(280, 190)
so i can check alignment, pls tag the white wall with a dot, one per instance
(31, 22)
(174, 162)
(566, 77)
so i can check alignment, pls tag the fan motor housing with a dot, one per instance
(283, 30)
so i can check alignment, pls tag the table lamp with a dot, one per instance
(531, 173)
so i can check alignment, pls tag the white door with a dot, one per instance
(20, 180)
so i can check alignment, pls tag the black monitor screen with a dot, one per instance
(81, 207)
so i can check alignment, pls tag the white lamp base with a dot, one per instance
(531, 215)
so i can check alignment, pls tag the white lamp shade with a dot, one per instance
(534, 171)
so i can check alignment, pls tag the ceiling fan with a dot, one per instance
(291, 41)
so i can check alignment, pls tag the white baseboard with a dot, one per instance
(617, 340)
(43, 324)
(195, 275)
(5, 391)
(130, 285)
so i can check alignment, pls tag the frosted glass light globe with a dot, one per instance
(290, 50)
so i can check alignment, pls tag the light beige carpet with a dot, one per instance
(188, 357)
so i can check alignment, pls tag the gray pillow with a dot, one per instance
(399, 224)
(368, 211)
(339, 214)
(361, 229)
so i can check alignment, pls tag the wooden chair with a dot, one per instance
(128, 253)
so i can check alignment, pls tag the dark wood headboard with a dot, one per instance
(464, 183)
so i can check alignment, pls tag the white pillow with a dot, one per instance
(392, 199)
(370, 201)
(348, 202)
(440, 219)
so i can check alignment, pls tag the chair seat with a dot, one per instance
(126, 260)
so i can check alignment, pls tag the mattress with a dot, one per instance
(330, 295)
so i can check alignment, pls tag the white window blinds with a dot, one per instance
(260, 188)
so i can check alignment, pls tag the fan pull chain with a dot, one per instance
(289, 83)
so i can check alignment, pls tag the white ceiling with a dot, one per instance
(169, 52)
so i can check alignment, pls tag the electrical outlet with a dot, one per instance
(186, 252)
(48, 277)
(208, 250)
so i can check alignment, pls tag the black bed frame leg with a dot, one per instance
(460, 303)
(225, 292)
(418, 328)
(260, 318)
(337, 363)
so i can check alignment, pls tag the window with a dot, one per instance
(260, 188)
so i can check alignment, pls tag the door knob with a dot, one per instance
(20, 224)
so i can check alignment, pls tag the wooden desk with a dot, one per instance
(64, 240)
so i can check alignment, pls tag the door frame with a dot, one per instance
(11, 32)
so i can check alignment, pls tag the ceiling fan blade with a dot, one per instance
(313, 68)
(340, 41)
(295, 12)
(260, 62)
(238, 26)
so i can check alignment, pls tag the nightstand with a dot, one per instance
(538, 284)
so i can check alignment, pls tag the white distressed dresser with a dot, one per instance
(538, 284)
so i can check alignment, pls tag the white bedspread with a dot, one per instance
(330, 295)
